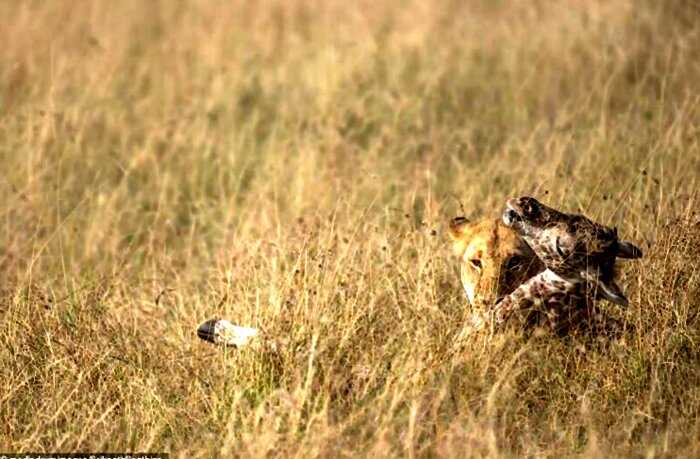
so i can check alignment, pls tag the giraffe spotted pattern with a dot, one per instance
(580, 258)
(572, 246)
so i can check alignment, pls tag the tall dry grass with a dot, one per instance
(290, 165)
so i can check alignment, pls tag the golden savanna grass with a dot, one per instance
(291, 165)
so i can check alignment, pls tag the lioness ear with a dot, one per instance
(457, 230)
(457, 227)
(628, 250)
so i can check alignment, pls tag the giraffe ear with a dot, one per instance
(612, 292)
(626, 249)
(457, 227)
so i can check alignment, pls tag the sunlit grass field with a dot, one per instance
(291, 165)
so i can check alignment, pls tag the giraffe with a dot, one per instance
(579, 255)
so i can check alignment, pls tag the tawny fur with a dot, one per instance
(493, 260)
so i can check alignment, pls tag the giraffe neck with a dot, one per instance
(547, 290)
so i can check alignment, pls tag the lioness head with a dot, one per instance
(494, 260)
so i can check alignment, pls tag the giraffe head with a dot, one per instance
(572, 246)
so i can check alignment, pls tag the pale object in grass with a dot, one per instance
(224, 333)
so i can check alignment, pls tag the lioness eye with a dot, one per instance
(476, 263)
